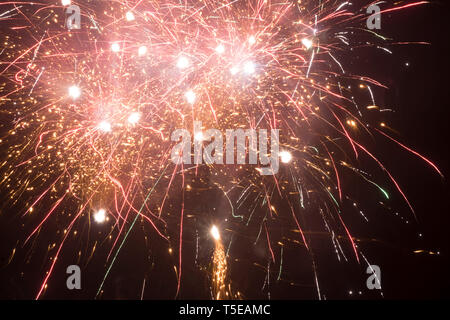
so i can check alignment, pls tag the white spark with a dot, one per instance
(105, 126)
(130, 16)
(215, 233)
(134, 117)
(285, 156)
(115, 47)
(249, 67)
(142, 50)
(190, 96)
(100, 216)
(182, 63)
(234, 70)
(307, 43)
(74, 92)
(220, 49)
(199, 136)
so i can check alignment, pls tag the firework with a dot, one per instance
(88, 115)
(221, 289)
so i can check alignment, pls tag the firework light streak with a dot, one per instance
(219, 266)
(89, 114)
(221, 288)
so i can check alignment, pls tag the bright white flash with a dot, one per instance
(285, 156)
(190, 96)
(220, 49)
(142, 50)
(130, 16)
(182, 63)
(74, 92)
(307, 43)
(249, 67)
(105, 126)
(66, 2)
(115, 47)
(199, 136)
(100, 216)
(252, 40)
(215, 233)
(234, 70)
(134, 118)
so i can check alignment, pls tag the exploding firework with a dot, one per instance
(87, 116)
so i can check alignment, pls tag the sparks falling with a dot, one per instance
(89, 113)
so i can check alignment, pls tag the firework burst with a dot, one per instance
(87, 116)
